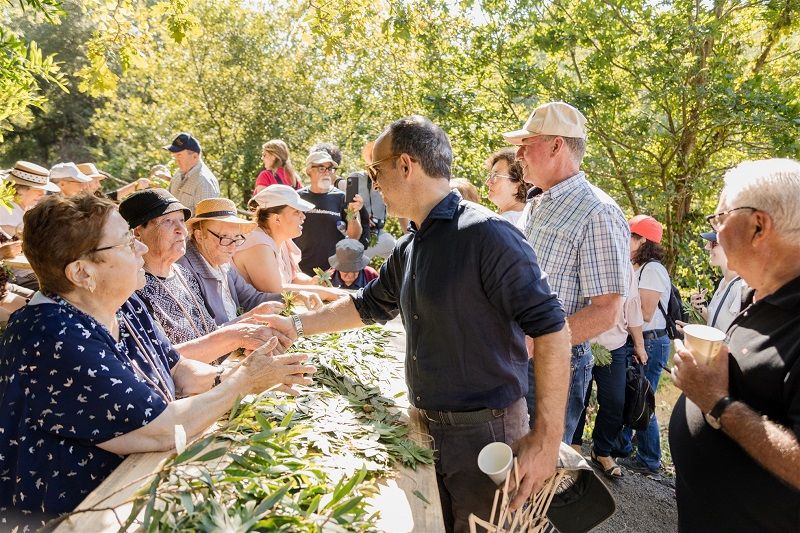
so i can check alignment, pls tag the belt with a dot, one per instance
(654, 333)
(454, 418)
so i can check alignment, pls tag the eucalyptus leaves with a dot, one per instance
(283, 464)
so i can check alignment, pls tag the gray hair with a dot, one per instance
(424, 141)
(576, 146)
(770, 185)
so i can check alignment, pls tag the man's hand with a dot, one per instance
(282, 324)
(537, 458)
(356, 205)
(704, 385)
(310, 300)
(257, 314)
(254, 336)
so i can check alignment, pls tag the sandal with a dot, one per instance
(612, 472)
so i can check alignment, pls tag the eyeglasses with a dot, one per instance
(494, 177)
(717, 219)
(323, 169)
(227, 241)
(372, 168)
(131, 242)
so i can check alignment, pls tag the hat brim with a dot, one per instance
(348, 267)
(174, 149)
(83, 178)
(169, 208)
(246, 225)
(709, 236)
(49, 186)
(517, 136)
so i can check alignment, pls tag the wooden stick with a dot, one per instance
(494, 505)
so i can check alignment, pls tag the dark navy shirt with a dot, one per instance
(468, 288)
(65, 386)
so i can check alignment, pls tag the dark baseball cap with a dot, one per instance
(143, 206)
(184, 141)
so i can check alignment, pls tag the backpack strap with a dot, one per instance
(669, 289)
(722, 301)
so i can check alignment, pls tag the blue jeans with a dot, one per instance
(610, 381)
(649, 440)
(581, 375)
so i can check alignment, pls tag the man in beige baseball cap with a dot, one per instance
(70, 180)
(580, 237)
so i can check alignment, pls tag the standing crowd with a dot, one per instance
(133, 298)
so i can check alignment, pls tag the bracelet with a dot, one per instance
(298, 325)
(218, 376)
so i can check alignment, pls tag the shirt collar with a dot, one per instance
(566, 186)
(199, 263)
(444, 210)
(787, 297)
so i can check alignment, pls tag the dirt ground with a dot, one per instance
(645, 504)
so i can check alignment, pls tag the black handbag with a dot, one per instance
(640, 400)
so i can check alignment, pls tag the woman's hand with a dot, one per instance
(10, 249)
(253, 336)
(263, 370)
(640, 354)
(310, 300)
(698, 299)
(329, 294)
(254, 316)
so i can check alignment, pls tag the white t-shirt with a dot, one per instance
(725, 310)
(655, 278)
(512, 216)
(11, 218)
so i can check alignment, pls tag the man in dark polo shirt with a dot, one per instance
(468, 288)
(735, 433)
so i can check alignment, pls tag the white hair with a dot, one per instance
(770, 185)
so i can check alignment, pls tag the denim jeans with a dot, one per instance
(610, 381)
(581, 375)
(463, 488)
(649, 440)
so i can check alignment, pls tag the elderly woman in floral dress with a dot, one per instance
(86, 377)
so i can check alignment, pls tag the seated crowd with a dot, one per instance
(120, 328)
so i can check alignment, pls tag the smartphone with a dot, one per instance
(352, 189)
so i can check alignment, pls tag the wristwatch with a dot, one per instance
(298, 325)
(713, 416)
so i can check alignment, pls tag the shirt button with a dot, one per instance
(418, 398)
(416, 317)
(414, 357)
(413, 276)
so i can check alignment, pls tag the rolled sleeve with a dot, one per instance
(379, 300)
(604, 254)
(515, 284)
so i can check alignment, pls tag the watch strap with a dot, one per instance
(298, 325)
(218, 376)
(714, 415)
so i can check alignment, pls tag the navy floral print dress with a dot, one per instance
(65, 386)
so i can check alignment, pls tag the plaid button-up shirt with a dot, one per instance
(581, 240)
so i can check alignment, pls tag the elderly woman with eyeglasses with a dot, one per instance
(506, 188)
(172, 292)
(215, 233)
(87, 376)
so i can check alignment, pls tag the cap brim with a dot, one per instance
(516, 137)
(709, 236)
(172, 148)
(303, 205)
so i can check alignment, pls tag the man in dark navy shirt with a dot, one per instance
(468, 288)
(735, 432)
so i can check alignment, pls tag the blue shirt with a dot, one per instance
(468, 288)
(65, 386)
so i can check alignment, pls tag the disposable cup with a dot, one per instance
(703, 341)
(495, 461)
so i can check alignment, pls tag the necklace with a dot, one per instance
(160, 386)
(186, 314)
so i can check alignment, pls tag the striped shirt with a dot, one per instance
(581, 240)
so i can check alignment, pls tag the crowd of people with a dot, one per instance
(141, 294)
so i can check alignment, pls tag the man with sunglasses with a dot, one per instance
(734, 434)
(332, 219)
(469, 289)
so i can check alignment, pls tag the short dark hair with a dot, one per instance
(509, 155)
(332, 150)
(425, 142)
(58, 231)
(648, 251)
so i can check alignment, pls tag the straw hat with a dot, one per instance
(90, 170)
(31, 175)
(220, 209)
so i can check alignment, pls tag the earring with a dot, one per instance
(91, 286)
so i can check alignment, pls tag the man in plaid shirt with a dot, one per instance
(193, 181)
(580, 236)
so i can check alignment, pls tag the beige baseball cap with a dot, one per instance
(277, 195)
(552, 118)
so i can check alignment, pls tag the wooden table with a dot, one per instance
(401, 510)
(19, 261)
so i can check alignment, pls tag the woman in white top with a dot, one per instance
(727, 299)
(654, 289)
(268, 259)
(506, 189)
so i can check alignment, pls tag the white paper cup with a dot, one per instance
(495, 461)
(703, 341)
